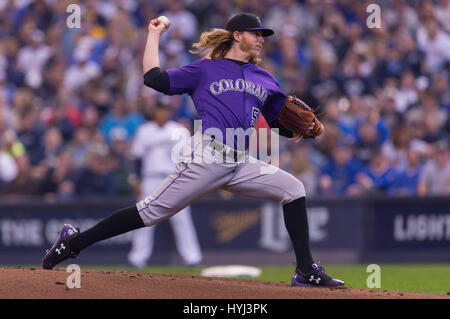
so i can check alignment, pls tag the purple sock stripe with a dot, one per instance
(179, 174)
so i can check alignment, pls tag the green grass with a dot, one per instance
(425, 278)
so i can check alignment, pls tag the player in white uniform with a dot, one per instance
(153, 146)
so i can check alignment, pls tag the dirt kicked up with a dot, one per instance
(36, 283)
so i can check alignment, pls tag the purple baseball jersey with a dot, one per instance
(228, 95)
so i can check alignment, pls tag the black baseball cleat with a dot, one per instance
(317, 277)
(60, 250)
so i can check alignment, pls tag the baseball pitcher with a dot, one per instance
(229, 92)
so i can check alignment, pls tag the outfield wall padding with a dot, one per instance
(369, 229)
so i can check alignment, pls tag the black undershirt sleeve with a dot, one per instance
(158, 80)
(282, 130)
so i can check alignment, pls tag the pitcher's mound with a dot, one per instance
(32, 283)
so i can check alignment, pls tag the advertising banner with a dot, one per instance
(412, 224)
(237, 224)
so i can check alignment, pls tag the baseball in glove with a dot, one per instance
(300, 119)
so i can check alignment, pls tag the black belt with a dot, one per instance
(227, 152)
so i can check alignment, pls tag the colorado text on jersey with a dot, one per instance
(239, 85)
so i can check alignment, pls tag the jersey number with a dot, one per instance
(255, 115)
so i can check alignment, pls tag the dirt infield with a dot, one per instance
(35, 283)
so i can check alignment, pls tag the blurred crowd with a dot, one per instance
(71, 99)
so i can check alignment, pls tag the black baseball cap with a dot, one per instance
(247, 22)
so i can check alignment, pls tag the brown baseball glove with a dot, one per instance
(300, 119)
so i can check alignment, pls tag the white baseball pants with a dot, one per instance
(202, 170)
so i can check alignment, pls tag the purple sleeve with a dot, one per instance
(184, 79)
(272, 107)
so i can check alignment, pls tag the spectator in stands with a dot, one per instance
(79, 146)
(58, 182)
(412, 55)
(397, 147)
(324, 82)
(23, 101)
(334, 114)
(377, 178)
(432, 131)
(63, 114)
(79, 73)
(442, 12)
(183, 23)
(10, 144)
(407, 95)
(91, 120)
(350, 113)
(27, 180)
(218, 14)
(407, 179)
(435, 176)
(340, 172)
(436, 44)
(52, 77)
(8, 168)
(399, 12)
(113, 74)
(369, 137)
(30, 132)
(429, 106)
(5, 115)
(356, 71)
(294, 16)
(121, 163)
(32, 58)
(327, 142)
(96, 178)
(388, 110)
(441, 88)
(121, 119)
(39, 8)
(52, 146)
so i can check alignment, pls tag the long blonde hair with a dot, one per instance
(218, 42)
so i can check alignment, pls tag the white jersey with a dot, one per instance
(154, 144)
